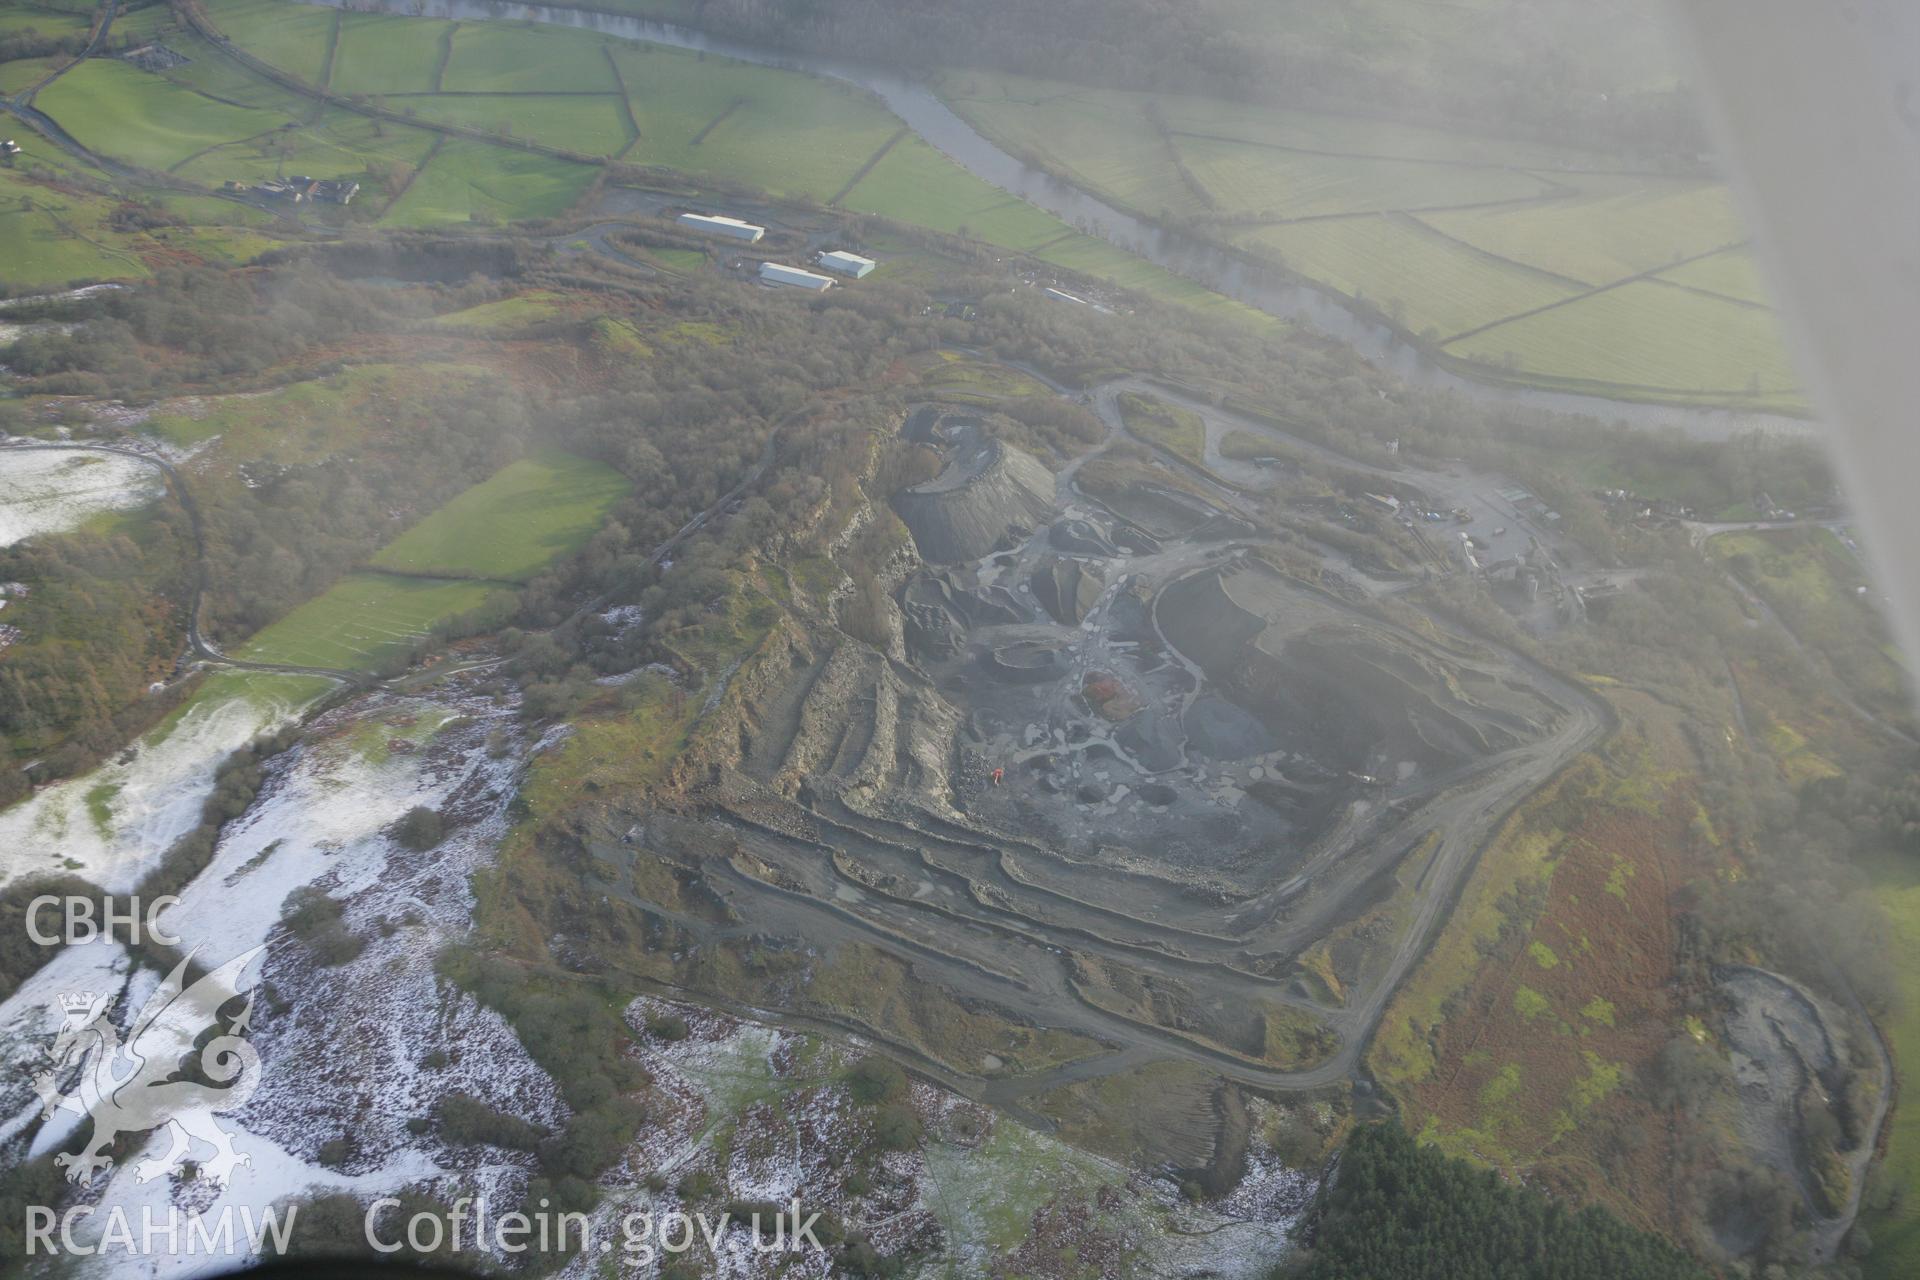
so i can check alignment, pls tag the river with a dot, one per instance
(1183, 254)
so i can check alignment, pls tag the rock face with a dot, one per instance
(1066, 589)
(986, 492)
(937, 610)
(1352, 686)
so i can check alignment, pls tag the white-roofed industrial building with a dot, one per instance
(793, 277)
(714, 224)
(847, 264)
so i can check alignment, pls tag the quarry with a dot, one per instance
(1121, 782)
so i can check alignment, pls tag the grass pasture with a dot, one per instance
(789, 133)
(381, 54)
(915, 183)
(583, 123)
(333, 144)
(512, 524)
(1643, 335)
(506, 315)
(118, 110)
(19, 18)
(293, 37)
(1731, 273)
(976, 382)
(1106, 140)
(1427, 283)
(364, 621)
(52, 233)
(209, 70)
(1444, 232)
(1616, 227)
(38, 248)
(498, 57)
(468, 180)
(1247, 179)
(23, 73)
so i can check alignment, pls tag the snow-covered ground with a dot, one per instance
(111, 825)
(351, 1054)
(343, 1049)
(47, 491)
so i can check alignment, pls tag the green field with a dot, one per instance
(466, 179)
(23, 73)
(1237, 162)
(590, 125)
(512, 524)
(1479, 244)
(1616, 227)
(18, 18)
(333, 144)
(293, 37)
(1481, 229)
(1250, 179)
(381, 54)
(1426, 283)
(1731, 274)
(210, 71)
(1105, 139)
(504, 529)
(1644, 334)
(915, 183)
(363, 621)
(505, 315)
(52, 234)
(118, 110)
(37, 250)
(788, 133)
(499, 57)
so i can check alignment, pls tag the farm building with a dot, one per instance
(714, 224)
(301, 187)
(155, 57)
(847, 264)
(793, 277)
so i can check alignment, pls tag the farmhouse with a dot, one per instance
(300, 187)
(793, 277)
(714, 224)
(847, 264)
(155, 57)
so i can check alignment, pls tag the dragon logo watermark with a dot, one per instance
(167, 1071)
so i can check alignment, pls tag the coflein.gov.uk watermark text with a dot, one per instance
(468, 1225)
